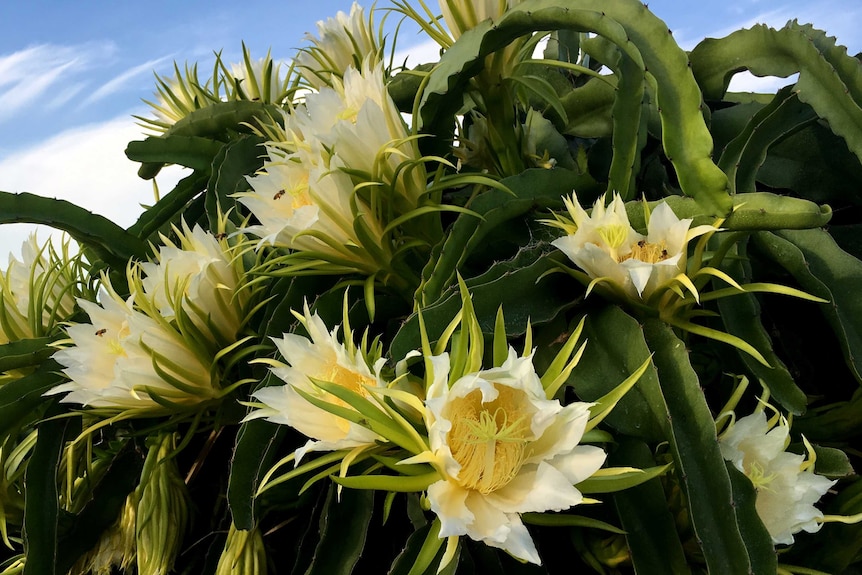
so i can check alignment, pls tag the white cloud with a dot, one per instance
(86, 166)
(422, 53)
(118, 82)
(748, 82)
(28, 76)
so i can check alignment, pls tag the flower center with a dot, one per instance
(348, 114)
(647, 252)
(758, 476)
(115, 345)
(297, 194)
(348, 378)
(489, 440)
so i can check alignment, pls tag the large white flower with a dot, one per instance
(503, 449)
(201, 277)
(322, 358)
(346, 136)
(786, 489)
(371, 135)
(356, 120)
(605, 245)
(124, 359)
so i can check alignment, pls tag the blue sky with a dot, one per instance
(73, 73)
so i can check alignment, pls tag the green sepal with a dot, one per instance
(624, 479)
(393, 483)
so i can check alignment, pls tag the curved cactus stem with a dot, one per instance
(641, 36)
(743, 156)
(830, 81)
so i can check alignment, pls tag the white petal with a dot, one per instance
(502, 530)
(639, 272)
(563, 435)
(581, 463)
(448, 502)
(541, 488)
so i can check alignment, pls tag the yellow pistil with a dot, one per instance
(115, 344)
(758, 477)
(614, 235)
(647, 252)
(489, 440)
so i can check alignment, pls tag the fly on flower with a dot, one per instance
(610, 251)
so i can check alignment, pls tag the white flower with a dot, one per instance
(124, 359)
(356, 120)
(786, 489)
(342, 42)
(309, 210)
(200, 276)
(504, 449)
(370, 127)
(37, 291)
(326, 359)
(605, 245)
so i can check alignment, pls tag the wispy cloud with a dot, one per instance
(120, 81)
(29, 76)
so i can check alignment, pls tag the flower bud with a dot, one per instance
(162, 509)
(243, 553)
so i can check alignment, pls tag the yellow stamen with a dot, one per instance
(489, 440)
(299, 195)
(115, 344)
(348, 114)
(647, 252)
(347, 378)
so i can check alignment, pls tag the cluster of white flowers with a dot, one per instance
(346, 134)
